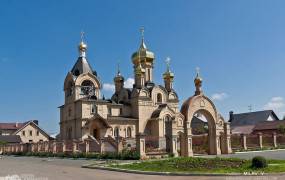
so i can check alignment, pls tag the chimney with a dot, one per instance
(231, 116)
(36, 122)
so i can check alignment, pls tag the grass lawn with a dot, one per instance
(205, 165)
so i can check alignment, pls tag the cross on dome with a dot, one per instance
(167, 61)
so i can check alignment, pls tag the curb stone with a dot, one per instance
(171, 173)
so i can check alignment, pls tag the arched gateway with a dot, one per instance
(218, 129)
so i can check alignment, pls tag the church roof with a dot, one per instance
(156, 113)
(81, 66)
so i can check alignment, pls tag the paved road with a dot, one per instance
(63, 169)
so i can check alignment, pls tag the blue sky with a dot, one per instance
(239, 46)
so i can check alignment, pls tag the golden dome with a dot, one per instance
(82, 46)
(143, 54)
(168, 74)
(198, 80)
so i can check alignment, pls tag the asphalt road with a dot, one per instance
(66, 169)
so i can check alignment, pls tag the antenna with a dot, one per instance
(250, 108)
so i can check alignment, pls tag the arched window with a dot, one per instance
(87, 87)
(167, 125)
(69, 133)
(69, 89)
(93, 109)
(116, 132)
(69, 112)
(159, 98)
(129, 132)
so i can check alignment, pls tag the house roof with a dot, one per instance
(32, 122)
(251, 118)
(247, 129)
(198, 120)
(269, 125)
(11, 126)
(10, 138)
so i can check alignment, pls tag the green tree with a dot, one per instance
(3, 142)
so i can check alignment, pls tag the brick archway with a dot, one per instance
(218, 130)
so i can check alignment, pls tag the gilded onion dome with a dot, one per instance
(82, 46)
(143, 54)
(168, 74)
(198, 83)
(198, 80)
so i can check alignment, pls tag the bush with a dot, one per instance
(259, 162)
(128, 155)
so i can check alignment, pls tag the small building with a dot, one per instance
(245, 123)
(10, 139)
(27, 132)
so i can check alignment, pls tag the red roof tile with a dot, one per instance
(11, 126)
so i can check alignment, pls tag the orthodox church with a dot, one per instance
(146, 117)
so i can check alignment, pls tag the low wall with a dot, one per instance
(256, 141)
(70, 146)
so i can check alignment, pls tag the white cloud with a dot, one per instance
(109, 87)
(129, 83)
(275, 103)
(220, 96)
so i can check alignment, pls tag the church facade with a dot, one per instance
(147, 117)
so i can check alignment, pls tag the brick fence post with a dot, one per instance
(260, 140)
(87, 146)
(63, 146)
(119, 144)
(54, 147)
(243, 141)
(39, 146)
(74, 146)
(275, 139)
